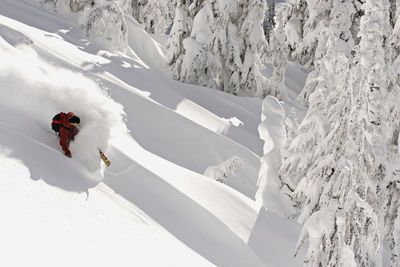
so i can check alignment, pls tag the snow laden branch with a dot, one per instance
(222, 171)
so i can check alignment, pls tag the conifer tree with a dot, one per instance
(153, 15)
(278, 56)
(224, 46)
(250, 31)
(206, 47)
(180, 30)
(105, 23)
(325, 78)
(342, 169)
(269, 19)
(392, 217)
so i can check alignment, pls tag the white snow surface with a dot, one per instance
(153, 206)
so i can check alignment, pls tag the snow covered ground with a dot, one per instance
(153, 206)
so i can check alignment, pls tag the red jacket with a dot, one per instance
(67, 132)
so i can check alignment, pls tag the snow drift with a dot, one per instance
(52, 90)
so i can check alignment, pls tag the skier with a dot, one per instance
(65, 125)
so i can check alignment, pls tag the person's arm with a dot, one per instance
(75, 131)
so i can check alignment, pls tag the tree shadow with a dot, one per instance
(181, 216)
(14, 37)
(274, 239)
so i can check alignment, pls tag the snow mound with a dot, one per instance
(40, 90)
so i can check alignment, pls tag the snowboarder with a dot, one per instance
(65, 126)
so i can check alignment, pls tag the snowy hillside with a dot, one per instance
(153, 206)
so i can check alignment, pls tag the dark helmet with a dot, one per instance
(75, 119)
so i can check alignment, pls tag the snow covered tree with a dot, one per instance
(106, 24)
(314, 128)
(278, 56)
(305, 26)
(392, 217)
(195, 6)
(222, 171)
(347, 185)
(180, 30)
(336, 186)
(66, 8)
(342, 180)
(155, 16)
(302, 153)
(223, 48)
(320, 85)
(373, 32)
(269, 19)
(340, 24)
(251, 82)
(206, 44)
(102, 20)
(80, 5)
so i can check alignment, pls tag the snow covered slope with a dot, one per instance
(152, 206)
